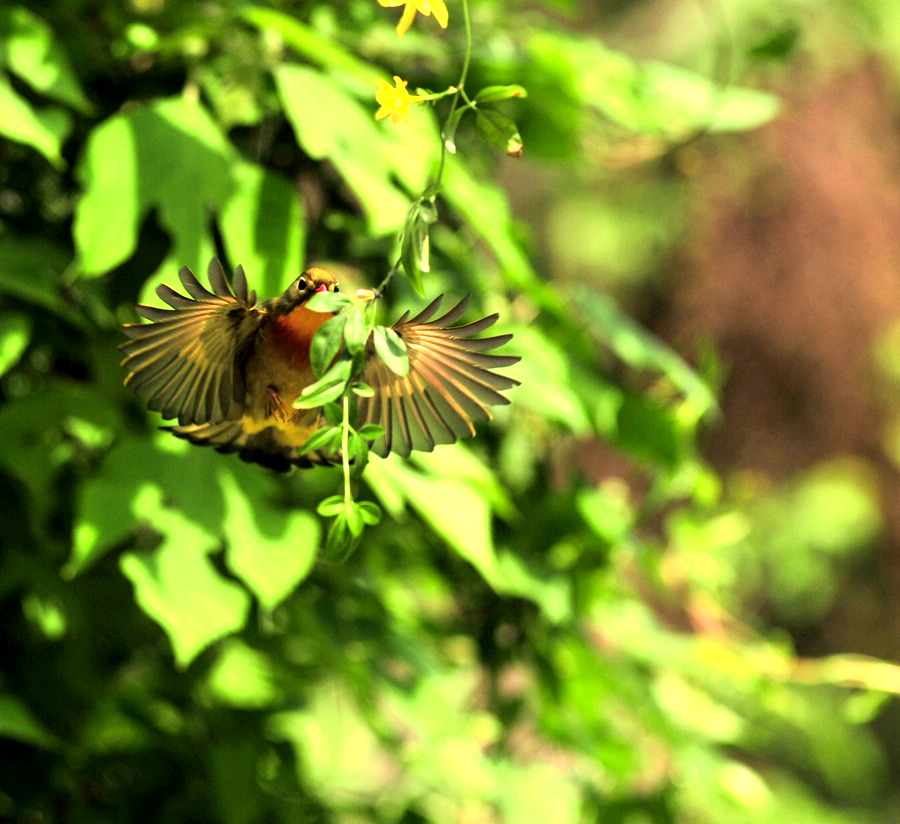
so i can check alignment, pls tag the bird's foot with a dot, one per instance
(275, 407)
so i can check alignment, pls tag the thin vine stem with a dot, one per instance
(345, 449)
(460, 90)
(458, 93)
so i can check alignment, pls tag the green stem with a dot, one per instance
(345, 448)
(457, 92)
(460, 88)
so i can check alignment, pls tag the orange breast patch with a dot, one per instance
(292, 334)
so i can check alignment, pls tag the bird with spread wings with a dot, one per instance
(229, 368)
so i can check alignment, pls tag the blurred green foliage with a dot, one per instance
(519, 640)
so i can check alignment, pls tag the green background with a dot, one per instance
(658, 587)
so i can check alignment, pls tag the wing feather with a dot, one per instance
(186, 363)
(450, 384)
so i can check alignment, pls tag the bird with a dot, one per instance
(228, 369)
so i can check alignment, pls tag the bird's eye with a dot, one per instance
(302, 284)
(335, 288)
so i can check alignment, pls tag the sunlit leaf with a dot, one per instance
(454, 509)
(177, 585)
(15, 334)
(330, 506)
(540, 794)
(362, 390)
(332, 125)
(127, 169)
(263, 228)
(43, 129)
(354, 518)
(127, 490)
(338, 752)
(34, 55)
(270, 548)
(371, 513)
(242, 677)
(371, 431)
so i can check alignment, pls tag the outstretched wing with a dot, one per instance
(186, 363)
(450, 383)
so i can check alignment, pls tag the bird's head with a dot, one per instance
(301, 290)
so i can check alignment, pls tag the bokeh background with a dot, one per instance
(659, 587)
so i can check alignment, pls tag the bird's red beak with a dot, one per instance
(322, 288)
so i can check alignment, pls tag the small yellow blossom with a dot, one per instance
(426, 7)
(394, 100)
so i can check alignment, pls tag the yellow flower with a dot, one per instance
(426, 7)
(394, 100)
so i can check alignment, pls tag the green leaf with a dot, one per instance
(551, 592)
(333, 739)
(331, 506)
(414, 247)
(341, 543)
(17, 722)
(270, 548)
(311, 43)
(391, 348)
(42, 129)
(356, 332)
(127, 169)
(370, 512)
(263, 227)
(358, 453)
(354, 518)
(328, 302)
(334, 413)
(243, 677)
(455, 509)
(485, 208)
(332, 125)
(328, 440)
(30, 271)
(35, 57)
(705, 103)
(494, 94)
(452, 126)
(500, 131)
(649, 97)
(39, 434)
(540, 792)
(126, 491)
(371, 431)
(328, 388)
(177, 586)
(548, 384)
(326, 343)
(363, 390)
(649, 430)
(640, 349)
(15, 334)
